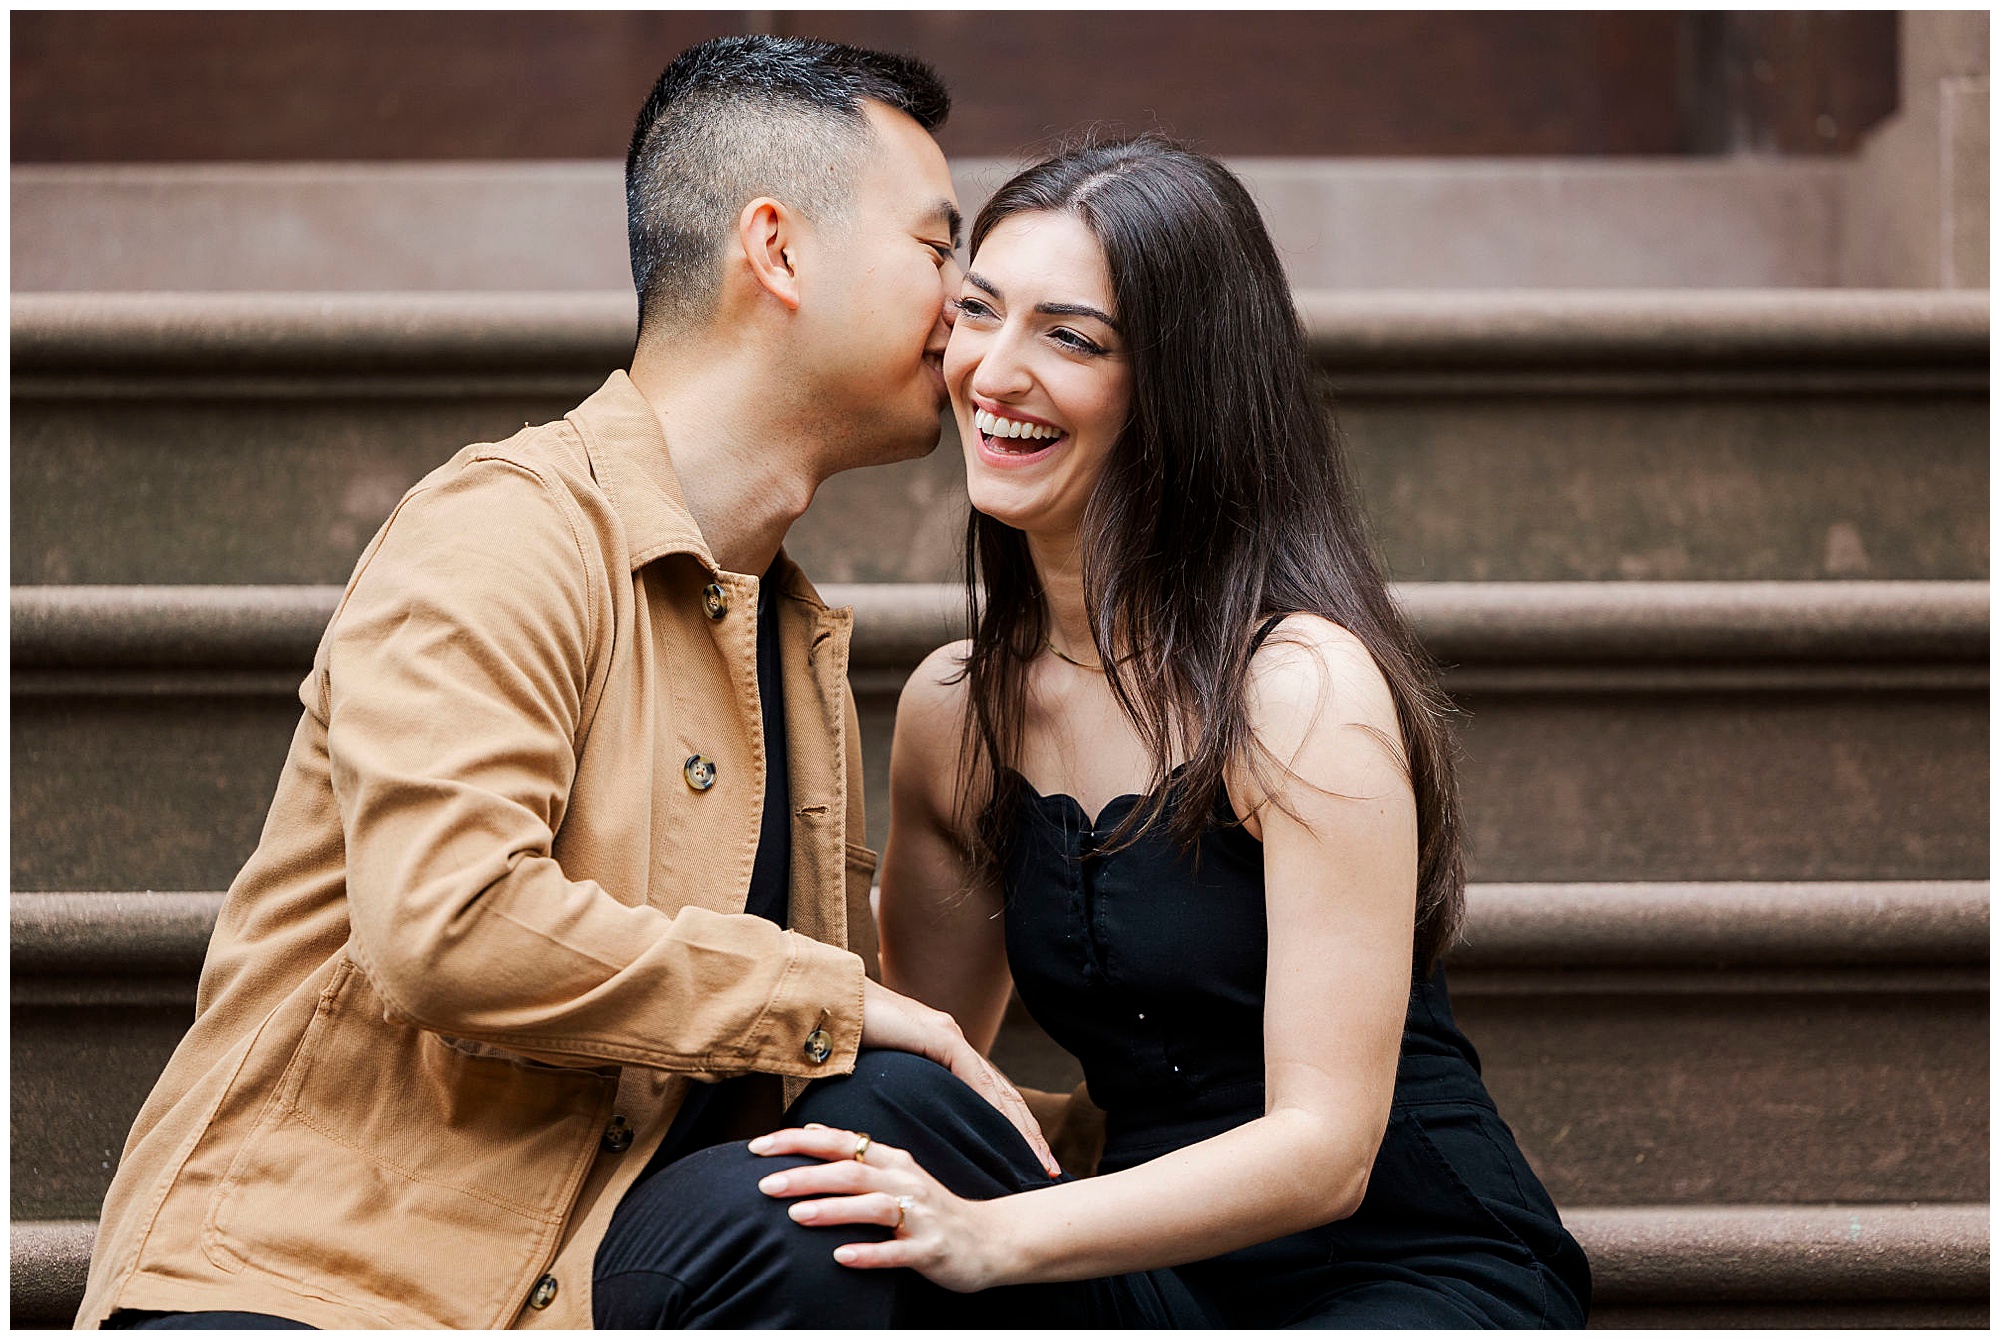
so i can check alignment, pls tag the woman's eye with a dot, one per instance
(1069, 339)
(971, 307)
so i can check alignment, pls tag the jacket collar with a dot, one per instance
(632, 463)
(630, 459)
(793, 584)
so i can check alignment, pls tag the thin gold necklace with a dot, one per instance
(1061, 655)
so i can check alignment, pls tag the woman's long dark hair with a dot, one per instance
(1226, 499)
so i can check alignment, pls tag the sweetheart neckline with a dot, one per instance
(1097, 823)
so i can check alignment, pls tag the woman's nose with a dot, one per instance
(1001, 372)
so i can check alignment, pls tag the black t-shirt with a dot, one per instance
(771, 875)
(704, 1118)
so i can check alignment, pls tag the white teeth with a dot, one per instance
(993, 425)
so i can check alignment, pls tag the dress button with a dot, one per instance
(715, 600)
(544, 1294)
(699, 771)
(819, 1046)
(617, 1136)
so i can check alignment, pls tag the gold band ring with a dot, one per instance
(861, 1143)
(903, 1204)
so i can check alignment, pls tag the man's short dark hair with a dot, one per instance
(740, 117)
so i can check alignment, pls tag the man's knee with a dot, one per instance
(698, 1241)
(903, 1099)
(886, 1088)
(709, 1197)
(920, 1107)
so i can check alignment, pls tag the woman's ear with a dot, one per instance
(769, 234)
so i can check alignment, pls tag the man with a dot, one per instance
(564, 874)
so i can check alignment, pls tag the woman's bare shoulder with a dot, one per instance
(930, 723)
(1313, 674)
(936, 692)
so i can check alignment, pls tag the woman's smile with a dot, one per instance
(1009, 438)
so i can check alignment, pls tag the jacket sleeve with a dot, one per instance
(456, 678)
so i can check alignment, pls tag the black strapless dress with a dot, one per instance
(1148, 967)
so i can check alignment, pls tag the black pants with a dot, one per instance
(696, 1245)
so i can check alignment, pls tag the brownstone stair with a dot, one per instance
(1707, 571)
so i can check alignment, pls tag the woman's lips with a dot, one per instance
(1010, 437)
(1009, 452)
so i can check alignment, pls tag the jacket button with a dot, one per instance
(715, 600)
(819, 1046)
(617, 1136)
(700, 772)
(544, 1294)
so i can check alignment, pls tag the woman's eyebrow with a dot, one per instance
(1076, 309)
(980, 281)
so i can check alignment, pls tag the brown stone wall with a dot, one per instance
(163, 87)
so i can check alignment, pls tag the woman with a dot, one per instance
(1189, 789)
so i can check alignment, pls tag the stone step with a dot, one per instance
(1675, 1266)
(1632, 731)
(1576, 930)
(1649, 1043)
(1406, 223)
(1787, 1266)
(1507, 436)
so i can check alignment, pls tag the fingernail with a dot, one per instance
(760, 1144)
(844, 1255)
(814, 1126)
(802, 1211)
(773, 1184)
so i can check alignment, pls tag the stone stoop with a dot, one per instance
(1707, 572)
(1657, 1046)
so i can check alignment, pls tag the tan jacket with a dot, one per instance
(491, 914)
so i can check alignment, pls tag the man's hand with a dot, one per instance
(900, 1024)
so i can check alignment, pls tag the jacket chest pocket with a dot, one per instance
(421, 1180)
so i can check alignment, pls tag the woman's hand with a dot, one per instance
(894, 1021)
(950, 1241)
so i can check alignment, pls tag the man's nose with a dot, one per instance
(952, 276)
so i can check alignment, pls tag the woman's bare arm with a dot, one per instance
(942, 939)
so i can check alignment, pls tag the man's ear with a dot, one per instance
(769, 233)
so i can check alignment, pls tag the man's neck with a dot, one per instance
(745, 462)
